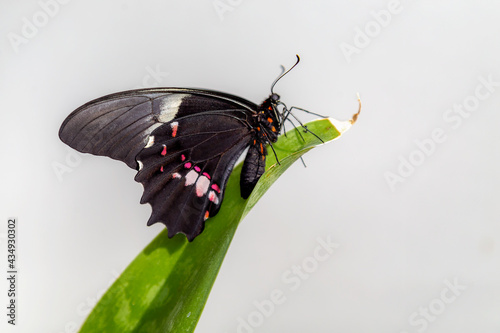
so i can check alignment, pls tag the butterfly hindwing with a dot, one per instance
(185, 167)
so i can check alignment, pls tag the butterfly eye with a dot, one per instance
(275, 97)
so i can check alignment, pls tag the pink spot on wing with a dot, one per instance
(197, 168)
(213, 197)
(174, 126)
(164, 151)
(206, 215)
(187, 165)
(176, 175)
(206, 175)
(202, 184)
(183, 158)
(216, 188)
(161, 169)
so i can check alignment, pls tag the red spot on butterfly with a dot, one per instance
(216, 188)
(187, 165)
(164, 151)
(197, 168)
(206, 175)
(183, 157)
(206, 215)
(174, 126)
(161, 169)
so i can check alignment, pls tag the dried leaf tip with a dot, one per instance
(355, 116)
(343, 126)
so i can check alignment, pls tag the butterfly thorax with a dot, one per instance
(269, 125)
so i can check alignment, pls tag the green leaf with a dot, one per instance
(167, 285)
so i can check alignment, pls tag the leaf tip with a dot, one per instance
(344, 125)
(341, 126)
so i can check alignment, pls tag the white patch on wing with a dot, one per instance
(139, 163)
(151, 141)
(176, 175)
(170, 106)
(213, 197)
(202, 185)
(191, 177)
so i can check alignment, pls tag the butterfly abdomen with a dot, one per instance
(266, 130)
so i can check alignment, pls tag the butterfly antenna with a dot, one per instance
(279, 77)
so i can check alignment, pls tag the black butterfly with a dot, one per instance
(184, 144)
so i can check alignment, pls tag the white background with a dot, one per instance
(398, 245)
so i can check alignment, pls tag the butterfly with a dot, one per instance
(183, 142)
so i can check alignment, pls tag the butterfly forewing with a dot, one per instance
(118, 125)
